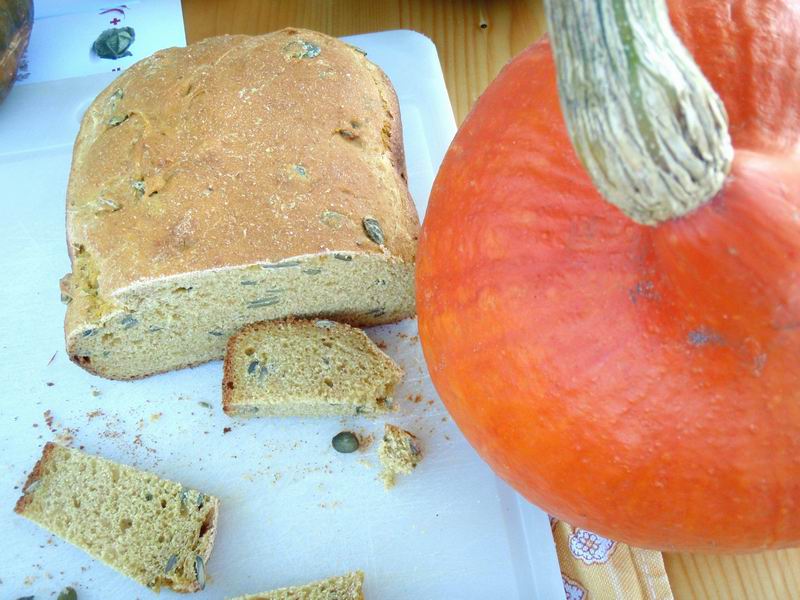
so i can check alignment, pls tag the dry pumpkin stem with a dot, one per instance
(643, 119)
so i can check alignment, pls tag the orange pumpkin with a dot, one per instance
(640, 381)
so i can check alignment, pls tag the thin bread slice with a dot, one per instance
(154, 531)
(344, 587)
(308, 368)
(400, 453)
(238, 179)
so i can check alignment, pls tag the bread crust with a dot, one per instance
(34, 475)
(231, 152)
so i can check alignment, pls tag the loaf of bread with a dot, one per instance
(346, 587)
(235, 180)
(399, 453)
(152, 530)
(306, 368)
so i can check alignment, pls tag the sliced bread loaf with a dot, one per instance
(308, 368)
(345, 587)
(152, 530)
(231, 181)
(400, 453)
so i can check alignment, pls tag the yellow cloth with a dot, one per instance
(596, 568)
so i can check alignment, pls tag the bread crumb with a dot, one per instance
(96, 392)
(155, 417)
(400, 453)
(364, 441)
(226, 430)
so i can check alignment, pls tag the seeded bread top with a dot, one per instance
(239, 150)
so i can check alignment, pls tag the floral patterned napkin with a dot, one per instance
(596, 568)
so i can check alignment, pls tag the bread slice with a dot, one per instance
(152, 530)
(345, 587)
(306, 368)
(399, 453)
(235, 180)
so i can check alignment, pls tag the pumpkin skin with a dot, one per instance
(641, 382)
(16, 21)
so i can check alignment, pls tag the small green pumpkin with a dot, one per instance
(16, 21)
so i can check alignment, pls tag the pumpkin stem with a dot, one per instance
(643, 119)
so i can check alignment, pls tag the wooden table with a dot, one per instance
(475, 39)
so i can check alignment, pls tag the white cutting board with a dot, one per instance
(293, 510)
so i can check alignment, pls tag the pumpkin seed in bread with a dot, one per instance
(152, 530)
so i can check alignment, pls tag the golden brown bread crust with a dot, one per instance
(34, 475)
(234, 151)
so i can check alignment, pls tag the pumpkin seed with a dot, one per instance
(265, 370)
(204, 404)
(66, 298)
(251, 369)
(89, 333)
(248, 282)
(138, 186)
(114, 43)
(345, 442)
(216, 333)
(148, 496)
(300, 170)
(301, 49)
(347, 134)
(171, 562)
(312, 271)
(184, 497)
(200, 571)
(324, 324)
(201, 500)
(117, 120)
(107, 205)
(357, 49)
(331, 218)
(268, 301)
(117, 95)
(415, 449)
(25, 598)
(128, 321)
(373, 230)
(377, 312)
(34, 485)
(68, 593)
(154, 328)
(344, 257)
(281, 265)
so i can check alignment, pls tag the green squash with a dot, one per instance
(16, 21)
